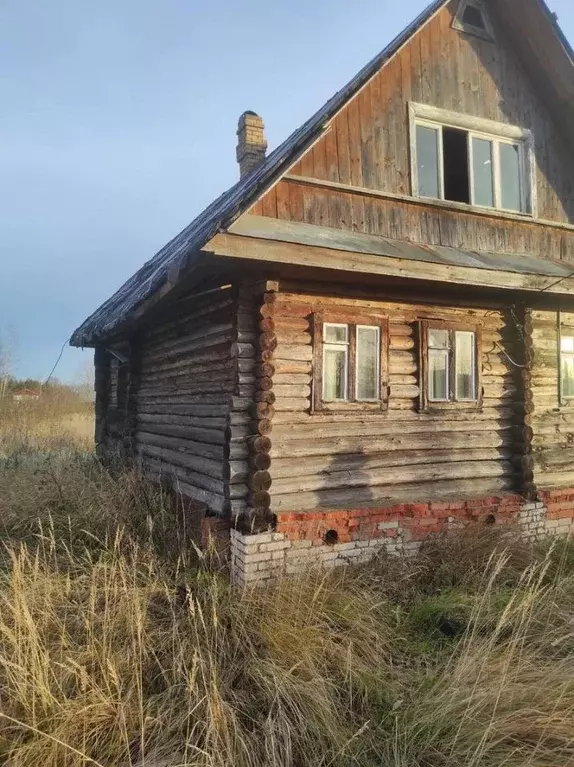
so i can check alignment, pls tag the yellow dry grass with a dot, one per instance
(120, 646)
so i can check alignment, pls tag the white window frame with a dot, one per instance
(463, 26)
(336, 346)
(378, 366)
(497, 133)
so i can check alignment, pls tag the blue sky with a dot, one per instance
(118, 125)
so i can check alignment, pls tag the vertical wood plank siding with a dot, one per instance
(363, 459)
(188, 399)
(552, 424)
(368, 145)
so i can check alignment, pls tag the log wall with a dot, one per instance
(192, 397)
(369, 459)
(551, 422)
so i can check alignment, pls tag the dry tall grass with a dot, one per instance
(119, 647)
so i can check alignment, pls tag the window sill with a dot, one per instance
(439, 408)
(337, 408)
(470, 208)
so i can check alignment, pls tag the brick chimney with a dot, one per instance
(251, 144)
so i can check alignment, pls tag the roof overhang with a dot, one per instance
(256, 238)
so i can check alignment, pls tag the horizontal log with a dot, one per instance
(210, 424)
(187, 388)
(325, 464)
(184, 475)
(390, 495)
(288, 391)
(292, 379)
(173, 408)
(285, 324)
(292, 366)
(293, 352)
(390, 475)
(237, 450)
(291, 338)
(187, 348)
(220, 353)
(187, 446)
(404, 392)
(548, 480)
(402, 343)
(397, 442)
(291, 403)
(496, 413)
(242, 350)
(209, 436)
(323, 427)
(208, 467)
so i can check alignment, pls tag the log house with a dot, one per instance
(370, 337)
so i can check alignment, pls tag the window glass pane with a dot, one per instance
(465, 356)
(427, 161)
(334, 374)
(510, 176)
(438, 339)
(336, 334)
(455, 160)
(482, 169)
(567, 343)
(438, 375)
(473, 17)
(568, 376)
(368, 356)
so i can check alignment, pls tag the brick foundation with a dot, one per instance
(334, 538)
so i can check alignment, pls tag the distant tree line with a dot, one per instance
(54, 390)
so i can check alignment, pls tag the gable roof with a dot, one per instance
(184, 249)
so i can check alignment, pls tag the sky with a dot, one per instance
(118, 124)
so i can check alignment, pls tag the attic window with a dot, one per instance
(472, 18)
(472, 161)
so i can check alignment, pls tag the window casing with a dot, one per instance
(461, 159)
(565, 359)
(472, 18)
(450, 365)
(349, 362)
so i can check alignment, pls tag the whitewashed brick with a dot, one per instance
(274, 546)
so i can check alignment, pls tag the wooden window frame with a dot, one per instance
(431, 406)
(353, 321)
(479, 128)
(568, 332)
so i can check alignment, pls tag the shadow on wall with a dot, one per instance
(347, 484)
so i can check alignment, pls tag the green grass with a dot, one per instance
(120, 645)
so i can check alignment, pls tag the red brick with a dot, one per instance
(439, 507)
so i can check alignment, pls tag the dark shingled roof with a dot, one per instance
(231, 204)
(184, 248)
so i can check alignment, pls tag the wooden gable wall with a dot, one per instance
(367, 147)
